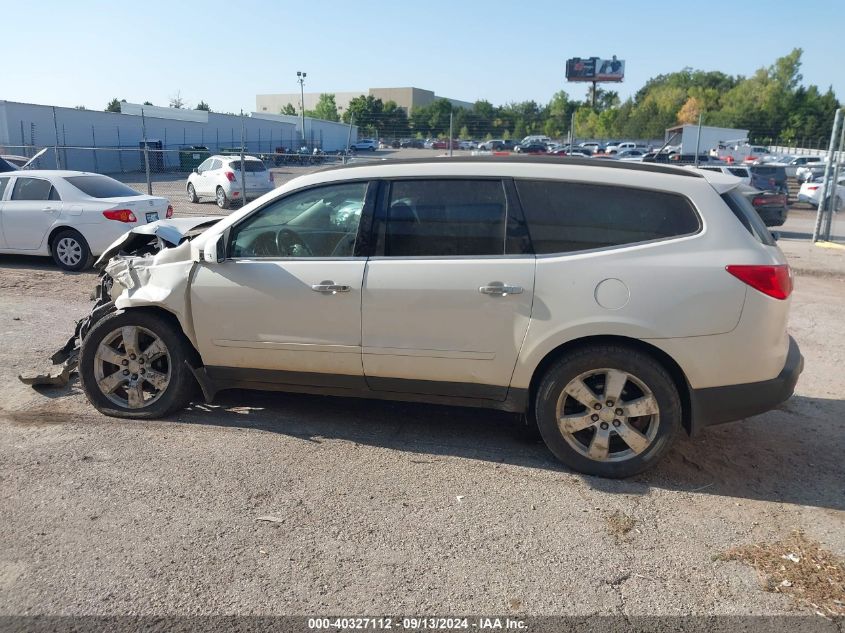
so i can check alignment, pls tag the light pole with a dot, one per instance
(301, 81)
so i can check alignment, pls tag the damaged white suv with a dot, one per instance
(614, 305)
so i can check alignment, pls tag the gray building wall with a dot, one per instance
(32, 126)
(327, 135)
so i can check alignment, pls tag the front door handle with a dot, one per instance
(499, 288)
(48, 209)
(329, 287)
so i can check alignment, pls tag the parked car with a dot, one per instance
(771, 206)
(592, 146)
(372, 280)
(411, 143)
(467, 145)
(365, 144)
(219, 177)
(791, 164)
(566, 150)
(71, 216)
(812, 192)
(769, 177)
(689, 159)
(809, 172)
(618, 147)
(531, 148)
(740, 171)
(443, 143)
(635, 155)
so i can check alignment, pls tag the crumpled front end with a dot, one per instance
(148, 266)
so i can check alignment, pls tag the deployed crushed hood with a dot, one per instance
(171, 233)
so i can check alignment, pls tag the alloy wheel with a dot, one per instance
(132, 367)
(608, 415)
(69, 251)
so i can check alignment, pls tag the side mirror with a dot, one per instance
(196, 170)
(214, 251)
(775, 235)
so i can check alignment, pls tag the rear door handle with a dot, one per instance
(499, 288)
(48, 209)
(329, 287)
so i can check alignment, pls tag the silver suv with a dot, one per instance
(614, 305)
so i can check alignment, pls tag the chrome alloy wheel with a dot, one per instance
(69, 251)
(132, 367)
(607, 415)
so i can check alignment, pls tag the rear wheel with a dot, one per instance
(222, 199)
(132, 365)
(608, 410)
(192, 194)
(70, 250)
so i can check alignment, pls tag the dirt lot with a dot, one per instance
(386, 507)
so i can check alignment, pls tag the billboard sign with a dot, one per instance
(595, 69)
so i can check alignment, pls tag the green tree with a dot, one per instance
(288, 108)
(367, 111)
(325, 109)
(114, 105)
(202, 105)
(147, 103)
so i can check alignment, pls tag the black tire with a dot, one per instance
(222, 199)
(637, 364)
(192, 193)
(181, 386)
(70, 250)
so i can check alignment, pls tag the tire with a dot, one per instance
(638, 377)
(192, 194)
(70, 251)
(104, 351)
(222, 200)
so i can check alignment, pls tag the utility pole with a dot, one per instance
(828, 173)
(243, 161)
(56, 129)
(349, 137)
(698, 139)
(301, 81)
(450, 132)
(146, 153)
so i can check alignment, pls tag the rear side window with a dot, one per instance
(31, 189)
(102, 187)
(738, 171)
(747, 215)
(444, 218)
(252, 166)
(565, 217)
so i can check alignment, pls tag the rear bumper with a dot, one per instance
(716, 405)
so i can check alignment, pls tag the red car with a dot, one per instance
(443, 143)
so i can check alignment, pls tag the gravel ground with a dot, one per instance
(385, 507)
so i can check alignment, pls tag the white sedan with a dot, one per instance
(70, 215)
(812, 192)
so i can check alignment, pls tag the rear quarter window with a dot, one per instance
(565, 217)
(744, 211)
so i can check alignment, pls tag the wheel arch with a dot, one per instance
(173, 320)
(51, 237)
(666, 361)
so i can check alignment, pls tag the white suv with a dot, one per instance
(219, 177)
(613, 304)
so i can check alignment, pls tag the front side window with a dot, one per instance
(319, 222)
(31, 189)
(204, 165)
(443, 218)
(215, 164)
(3, 183)
(565, 217)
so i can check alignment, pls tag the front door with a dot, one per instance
(29, 212)
(447, 300)
(285, 306)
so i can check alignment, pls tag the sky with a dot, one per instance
(87, 52)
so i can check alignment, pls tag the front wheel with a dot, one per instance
(70, 250)
(192, 194)
(132, 365)
(222, 199)
(608, 410)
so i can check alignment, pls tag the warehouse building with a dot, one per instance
(109, 142)
(407, 98)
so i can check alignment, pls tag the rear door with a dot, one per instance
(447, 295)
(29, 212)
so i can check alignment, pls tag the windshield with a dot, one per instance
(96, 186)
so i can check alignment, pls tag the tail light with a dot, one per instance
(813, 187)
(121, 215)
(758, 201)
(169, 213)
(230, 175)
(774, 281)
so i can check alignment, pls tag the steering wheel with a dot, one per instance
(290, 244)
(264, 245)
